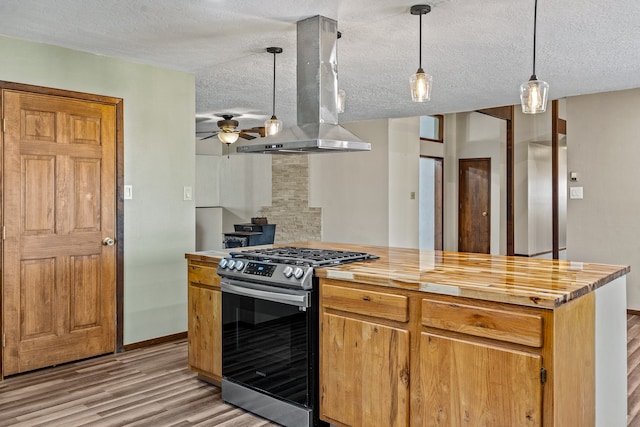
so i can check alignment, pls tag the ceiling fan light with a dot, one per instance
(533, 96)
(421, 83)
(228, 137)
(272, 126)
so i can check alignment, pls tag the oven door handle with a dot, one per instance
(299, 300)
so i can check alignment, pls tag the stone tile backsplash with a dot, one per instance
(295, 220)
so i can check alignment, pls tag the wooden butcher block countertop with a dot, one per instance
(518, 280)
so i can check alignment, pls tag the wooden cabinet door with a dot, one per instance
(59, 204)
(205, 330)
(475, 384)
(364, 373)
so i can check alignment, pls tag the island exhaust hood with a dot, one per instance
(318, 130)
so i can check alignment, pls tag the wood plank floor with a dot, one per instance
(144, 387)
(153, 387)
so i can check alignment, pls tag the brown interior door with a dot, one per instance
(474, 213)
(59, 205)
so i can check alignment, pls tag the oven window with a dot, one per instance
(265, 346)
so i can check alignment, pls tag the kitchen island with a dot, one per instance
(442, 338)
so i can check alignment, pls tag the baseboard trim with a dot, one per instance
(155, 341)
(633, 312)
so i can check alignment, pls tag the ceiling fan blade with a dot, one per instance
(245, 135)
(259, 130)
(208, 131)
(207, 137)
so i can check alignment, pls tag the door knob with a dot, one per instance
(484, 213)
(108, 241)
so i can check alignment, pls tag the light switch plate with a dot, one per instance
(187, 193)
(128, 192)
(575, 193)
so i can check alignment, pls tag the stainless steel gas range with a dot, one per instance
(270, 330)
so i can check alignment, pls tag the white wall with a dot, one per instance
(603, 148)
(159, 160)
(366, 197)
(404, 174)
(245, 187)
(353, 188)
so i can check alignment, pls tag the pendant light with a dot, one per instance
(420, 81)
(533, 94)
(273, 125)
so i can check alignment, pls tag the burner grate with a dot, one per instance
(305, 256)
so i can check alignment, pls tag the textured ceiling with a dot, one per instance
(478, 51)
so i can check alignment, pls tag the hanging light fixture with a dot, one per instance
(533, 94)
(420, 81)
(273, 125)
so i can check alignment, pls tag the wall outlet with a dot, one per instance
(187, 193)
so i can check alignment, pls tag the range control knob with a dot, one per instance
(297, 273)
(223, 263)
(239, 265)
(231, 263)
(288, 271)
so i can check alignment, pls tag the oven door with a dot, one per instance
(266, 341)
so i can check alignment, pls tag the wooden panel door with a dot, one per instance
(59, 204)
(474, 206)
(364, 373)
(475, 384)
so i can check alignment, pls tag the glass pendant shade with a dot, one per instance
(533, 96)
(228, 137)
(272, 126)
(341, 100)
(420, 86)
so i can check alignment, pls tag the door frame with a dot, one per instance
(460, 162)
(558, 127)
(506, 113)
(438, 193)
(118, 103)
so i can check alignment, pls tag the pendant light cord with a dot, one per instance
(535, 19)
(420, 44)
(274, 85)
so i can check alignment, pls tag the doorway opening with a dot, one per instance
(431, 203)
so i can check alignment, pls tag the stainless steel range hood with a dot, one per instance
(318, 130)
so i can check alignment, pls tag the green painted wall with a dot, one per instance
(159, 160)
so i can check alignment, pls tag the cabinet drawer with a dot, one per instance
(362, 301)
(494, 323)
(203, 274)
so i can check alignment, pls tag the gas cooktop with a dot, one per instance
(287, 266)
(304, 256)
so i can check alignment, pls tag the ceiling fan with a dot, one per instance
(230, 126)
